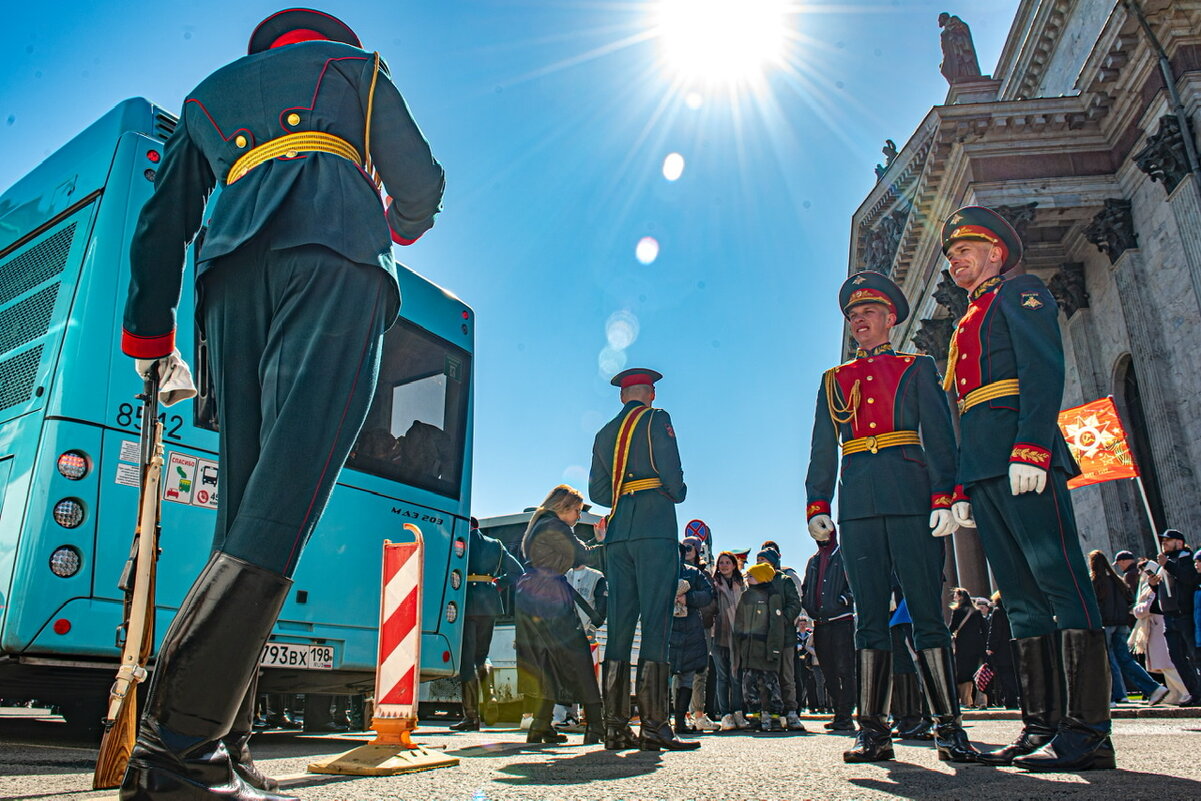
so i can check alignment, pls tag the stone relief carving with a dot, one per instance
(1163, 158)
(1068, 287)
(959, 61)
(950, 296)
(1019, 216)
(882, 242)
(934, 337)
(1112, 230)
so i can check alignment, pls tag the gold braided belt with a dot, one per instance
(478, 577)
(997, 389)
(630, 487)
(290, 146)
(873, 444)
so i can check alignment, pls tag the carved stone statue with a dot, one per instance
(959, 61)
(890, 152)
(1069, 289)
(951, 296)
(883, 240)
(934, 337)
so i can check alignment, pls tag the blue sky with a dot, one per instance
(553, 120)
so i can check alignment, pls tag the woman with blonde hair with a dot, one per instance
(552, 648)
(1148, 638)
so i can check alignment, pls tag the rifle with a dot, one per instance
(137, 581)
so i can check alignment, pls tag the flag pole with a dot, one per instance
(1146, 505)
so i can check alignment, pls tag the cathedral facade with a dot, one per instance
(1085, 140)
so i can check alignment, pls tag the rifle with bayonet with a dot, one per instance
(137, 582)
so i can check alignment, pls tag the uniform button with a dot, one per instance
(293, 119)
(240, 141)
(871, 400)
(291, 154)
(871, 425)
(869, 378)
(963, 356)
(963, 381)
(869, 361)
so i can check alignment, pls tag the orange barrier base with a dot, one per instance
(392, 752)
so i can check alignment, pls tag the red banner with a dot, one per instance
(1097, 439)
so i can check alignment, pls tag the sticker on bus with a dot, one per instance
(178, 476)
(301, 657)
(130, 451)
(129, 475)
(205, 491)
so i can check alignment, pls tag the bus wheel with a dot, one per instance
(84, 717)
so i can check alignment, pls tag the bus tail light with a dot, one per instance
(456, 579)
(65, 561)
(62, 626)
(68, 513)
(452, 612)
(460, 546)
(72, 465)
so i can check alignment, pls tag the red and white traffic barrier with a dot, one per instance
(399, 672)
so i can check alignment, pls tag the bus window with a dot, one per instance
(417, 424)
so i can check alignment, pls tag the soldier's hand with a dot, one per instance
(962, 512)
(821, 527)
(941, 522)
(1026, 478)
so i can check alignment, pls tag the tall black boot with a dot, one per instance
(1082, 741)
(489, 709)
(204, 669)
(873, 743)
(471, 706)
(615, 687)
(683, 699)
(905, 709)
(936, 666)
(1037, 664)
(237, 742)
(540, 729)
(653, 679)
(594, 728)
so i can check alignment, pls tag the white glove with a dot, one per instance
(962, 512)
(175, 382)
(941, 522)
(821, 527)
(1026, 477)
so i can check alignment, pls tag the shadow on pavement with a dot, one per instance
(587, 767)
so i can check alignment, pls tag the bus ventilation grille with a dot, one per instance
(164, 125)
(29, 318)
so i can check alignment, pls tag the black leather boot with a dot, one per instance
(471, 706)
(594, 729)
(1036, 661)
(615, 686)
(873, 743)
(905, 708)
(1082, 741)
(653, 679)
(936, 666)
(540, 729)
(489, 708)
(237, 742)
(201, 677)
(683, 699)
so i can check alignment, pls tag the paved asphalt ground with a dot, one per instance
(1158, 758)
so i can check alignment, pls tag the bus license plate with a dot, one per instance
(302, 657)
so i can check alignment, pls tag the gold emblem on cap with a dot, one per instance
(240, 141)
(293, 119)
(859, 280)
(956, 219)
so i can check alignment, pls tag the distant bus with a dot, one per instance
(68, 457)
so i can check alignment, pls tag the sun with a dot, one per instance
(721, 41)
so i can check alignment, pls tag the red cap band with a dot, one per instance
(869, 296)
(980, 233)
(298, 35)
(636, 379)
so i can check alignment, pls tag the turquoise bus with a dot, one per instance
(68, 457)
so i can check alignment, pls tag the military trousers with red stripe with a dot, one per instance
(294, 340)
(1034, 551)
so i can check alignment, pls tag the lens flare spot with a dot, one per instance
(611, 362)
(621, 329)
(576, 475)
(694, 100)
(673, 166)
(647, 250)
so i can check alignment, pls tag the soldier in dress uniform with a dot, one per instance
(489, 566)
(636, 473)
(296, 286)
(896, 475)
(1007, 370)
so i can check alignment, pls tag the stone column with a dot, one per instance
(1174, 455)
(1163, 159)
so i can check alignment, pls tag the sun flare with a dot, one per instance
(721, 41)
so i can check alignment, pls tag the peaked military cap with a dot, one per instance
(983, 225)
(870, 286)
(300, 20)
(635, 376)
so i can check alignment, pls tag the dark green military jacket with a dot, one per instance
(648, 514)
(1010, 330)
(487, 556)
(306, 199)
(889, 391)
